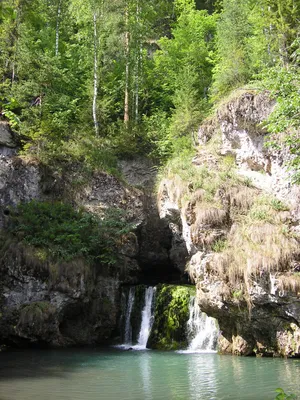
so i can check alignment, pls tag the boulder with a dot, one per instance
(6, 136)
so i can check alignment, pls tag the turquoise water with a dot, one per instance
(137, 375)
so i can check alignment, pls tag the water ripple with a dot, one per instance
(136, 375)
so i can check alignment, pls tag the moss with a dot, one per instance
(36, 312)
(41, 254)
(37, 307)
(170, 318)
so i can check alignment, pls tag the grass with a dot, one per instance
(289, 283)
(247, 233)
(88, 153)
(208, 171)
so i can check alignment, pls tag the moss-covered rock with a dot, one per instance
(37, 320)
(170, 318)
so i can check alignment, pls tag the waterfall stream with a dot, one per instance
(202, 330)
(138, 316)
(128, 328)
(147, 319)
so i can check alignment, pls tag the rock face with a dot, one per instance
(72, 303)
(6, 136)
(64, 303)
(243, 250)
(154, 234)
(19, 182)
(56, 305)
(240, 122)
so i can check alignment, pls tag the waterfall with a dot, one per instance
(202, 330)
(273, 286)
(128, 328)
(147, 319)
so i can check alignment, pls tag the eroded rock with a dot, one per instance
(257, 308)
(6, 136)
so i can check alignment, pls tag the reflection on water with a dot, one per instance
(202, 372)
(137, 375)
(145, 371)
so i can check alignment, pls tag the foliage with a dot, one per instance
(93, 153)
(183, 65)
(64, 62)
(281, 395)
(253, 37)
(66, 234)
(171, 315)
(232, 63)
(283, 124)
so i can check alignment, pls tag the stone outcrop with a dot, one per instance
(6, 136)
(64, 303)
(73, 303)
(243, 260)
(58, 305)
(241, 124)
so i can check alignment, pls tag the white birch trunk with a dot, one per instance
(57, 28)
(126, 99)
(96, 125)
(137, 66)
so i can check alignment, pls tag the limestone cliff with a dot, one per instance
(236, 212)
(70, 302)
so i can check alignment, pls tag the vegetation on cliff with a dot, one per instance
(170, 317)
(58, 232)
(246, 233)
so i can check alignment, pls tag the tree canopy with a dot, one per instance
(135, 76)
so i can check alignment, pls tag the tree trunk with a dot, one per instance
(126, 100)
(137, 63)
(57, 28)
(14, 45)
(96, 125)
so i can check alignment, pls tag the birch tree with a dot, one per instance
(127, 57)
(59, 5)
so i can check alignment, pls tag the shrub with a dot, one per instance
(281, 395)
(65, 233)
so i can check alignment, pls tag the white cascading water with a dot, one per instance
(273, 287)
(202, 330)
(147, 319)
(128, 328)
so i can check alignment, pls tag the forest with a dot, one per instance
(96, 81)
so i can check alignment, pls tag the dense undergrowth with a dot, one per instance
(57, 232)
